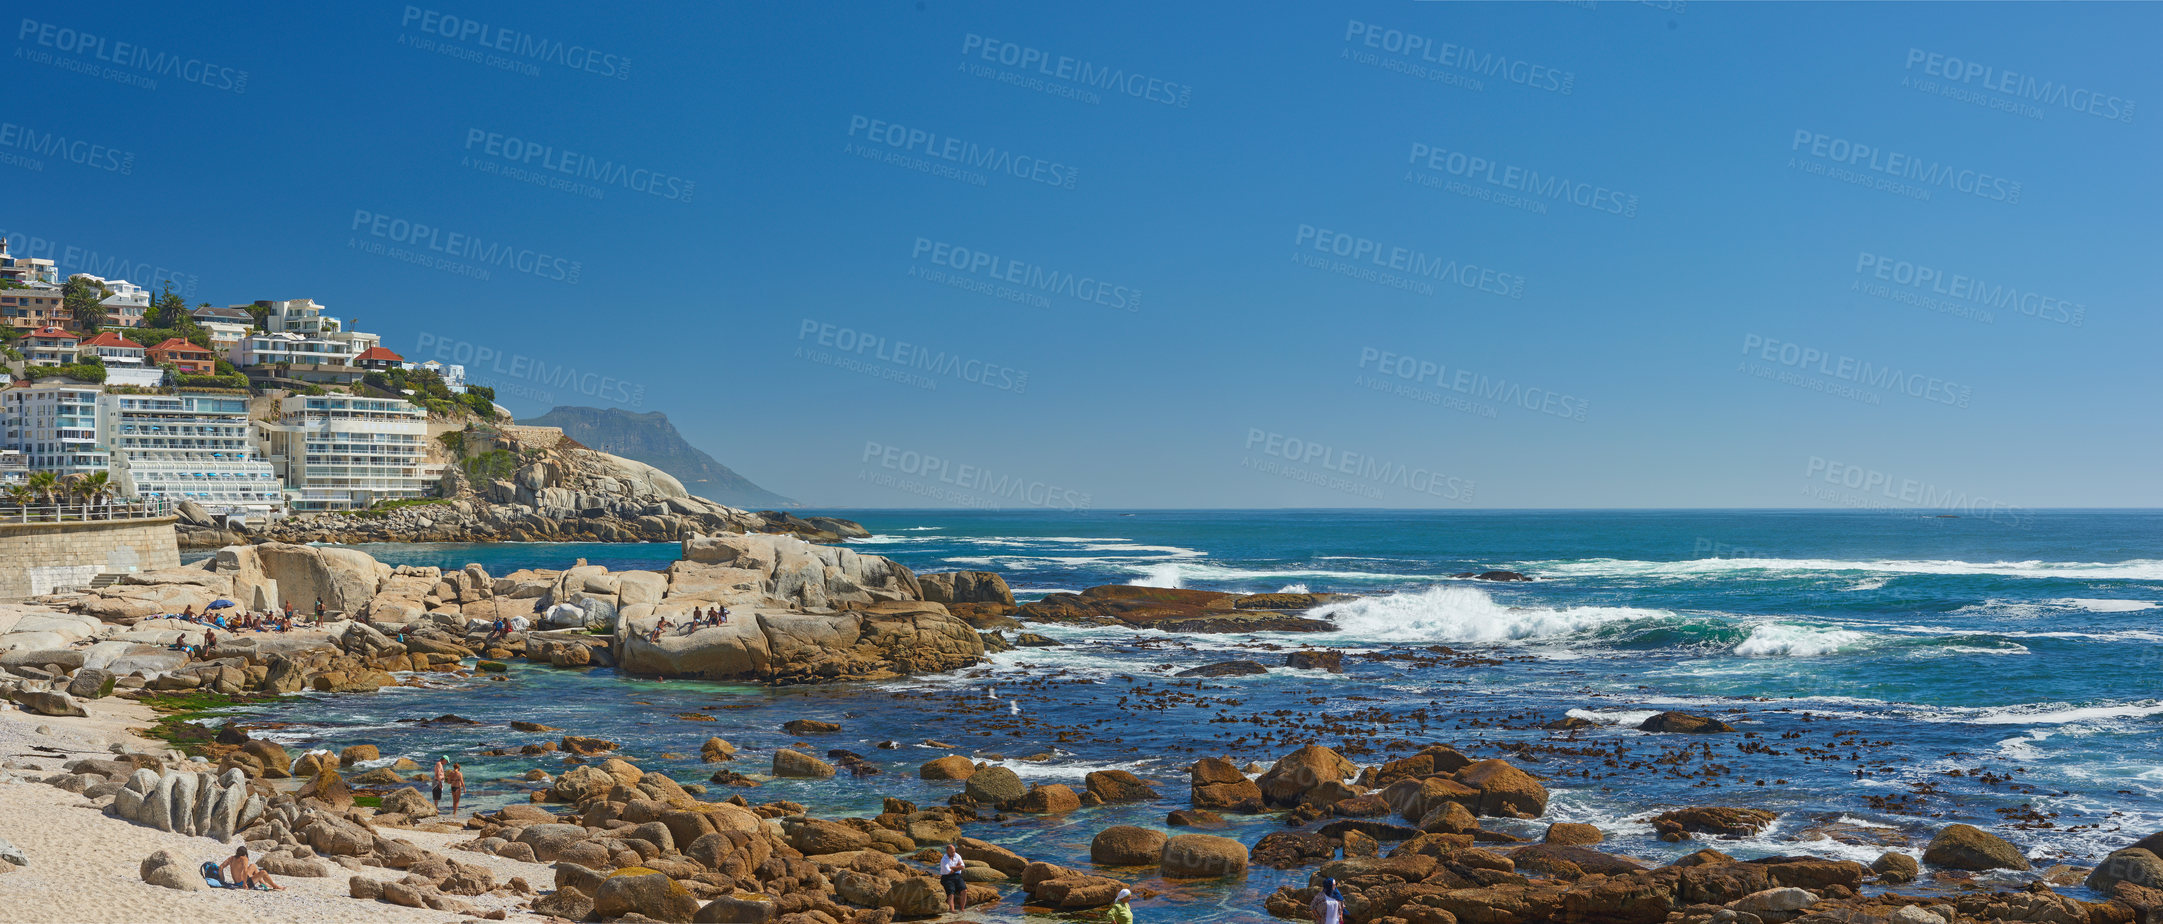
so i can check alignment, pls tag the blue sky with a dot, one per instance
(1199, 293)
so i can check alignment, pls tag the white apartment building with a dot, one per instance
(14, 468)
(55, 426)
(190, 446)
(285, 347)
(340, 452)
(128, 303)
(26, 269)
(225, 336)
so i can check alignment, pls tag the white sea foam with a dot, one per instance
(1628, 717)
(2063, 713)
(1456, 613)
(1180, 573)
(2138, 569)
(2106, 606)
(1782, 640)
(1292, 589)
(1869, 584)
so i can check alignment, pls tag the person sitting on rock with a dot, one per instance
(240, 873)
(723, 619)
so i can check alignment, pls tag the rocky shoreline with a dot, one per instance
(1431, 835)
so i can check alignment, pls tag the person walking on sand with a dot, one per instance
(319, 609)
(439, 783)
(1328, 904)
(458, 787)
(240, 873)
(1119, 911)
(957, 888)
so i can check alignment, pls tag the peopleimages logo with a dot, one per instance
(963, 483)
(904, 139)
(475, 250)
(523, 47)
(1414, 264)
(80, 259)
(1965, 290)
(1922, 174)
(848, 342)
(1074, 71)
(1033, 277)
(1861, 373)
(1523, 180)
(61, 147)
(488, 362)
(2019, 86)
(1366, 468)
(140, 59)
(1451, 59)
(573, 170)
(1474, 384)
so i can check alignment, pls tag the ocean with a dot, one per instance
(1887, 674)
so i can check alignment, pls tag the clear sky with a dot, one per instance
(1542, 254)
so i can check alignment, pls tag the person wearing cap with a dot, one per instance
(1328, 904)
(1120, 911)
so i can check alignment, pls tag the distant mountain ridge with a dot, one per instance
(651, 439)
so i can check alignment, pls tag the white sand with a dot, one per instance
(84, 866)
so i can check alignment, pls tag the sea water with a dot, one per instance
(1887, 674)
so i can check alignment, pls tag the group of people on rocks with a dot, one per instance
(235, 623)
(505, 625)
(700, 618)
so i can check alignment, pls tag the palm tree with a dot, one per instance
(20, 495)
(45, 485)
(97, 487)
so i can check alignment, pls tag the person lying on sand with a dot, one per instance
(240, 873)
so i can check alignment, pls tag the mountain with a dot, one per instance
(651, 439)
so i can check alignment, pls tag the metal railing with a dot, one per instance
(86, 512)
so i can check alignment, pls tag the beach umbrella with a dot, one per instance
(219, 605)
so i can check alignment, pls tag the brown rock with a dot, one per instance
(1684, 723)
(1126, 845)
(1966, 847)
(1504, 789)
(1724, 821)
(1203, 856)
(1115, 786)
(1046, 799)
(950, 767)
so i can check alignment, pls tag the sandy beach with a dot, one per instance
(84, 864)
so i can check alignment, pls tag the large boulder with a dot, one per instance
(91, 683)
(1046, 799)
(1684, 723)
(1127, 845)
(49, 702)
(344, 579)
(643, 891)
(2136, 865)
(788, 763)
(950, 767)
(1114, 786)
(1724, 821)
(1202, 856)
(965, 587)
(1295, 774)
(1966, 847)
(1504, 790)
(995, 786)
(166, 868)
(1218, 784)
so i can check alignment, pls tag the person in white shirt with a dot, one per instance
(1328, 904)
(957, 889)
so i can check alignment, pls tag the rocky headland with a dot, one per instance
(527, 484)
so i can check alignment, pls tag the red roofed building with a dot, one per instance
(115, 349)
(186, 357)
(50, 346)
(378, 358)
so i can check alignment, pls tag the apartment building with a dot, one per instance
(114, 350)
(128, 303)
(341, 452)
(184, 356)
(37, 305)
(50, 346)
(190, 446)
(26, 270)
(55, 426)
